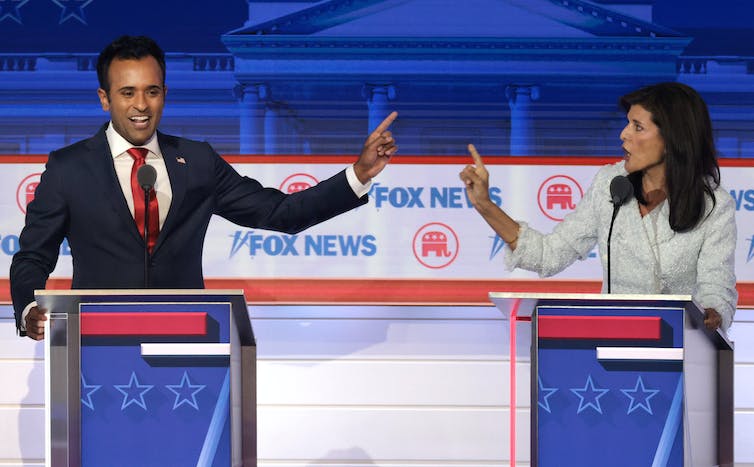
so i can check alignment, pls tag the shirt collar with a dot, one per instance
(119, 145)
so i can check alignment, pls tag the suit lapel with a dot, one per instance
(104, 175)
(175, 163)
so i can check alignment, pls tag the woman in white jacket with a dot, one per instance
(675, 235)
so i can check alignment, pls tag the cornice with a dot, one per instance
(19, 62)
(283, 47)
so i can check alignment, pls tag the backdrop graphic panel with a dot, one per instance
(418, 224)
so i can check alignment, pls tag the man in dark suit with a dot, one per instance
(86, 194)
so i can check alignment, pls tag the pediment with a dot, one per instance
(522, 19)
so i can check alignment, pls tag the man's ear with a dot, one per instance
(104, 99)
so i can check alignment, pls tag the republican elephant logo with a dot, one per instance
(435, 245)
(558, 196)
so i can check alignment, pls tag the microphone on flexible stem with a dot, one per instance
(621, 190)
(146, 175)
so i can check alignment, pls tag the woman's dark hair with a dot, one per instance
(691, 168)
(125, 48)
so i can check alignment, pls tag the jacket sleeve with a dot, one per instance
(716, 279)
(40, 239)
(571, 239)
(243, 200)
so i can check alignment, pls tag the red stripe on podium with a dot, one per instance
(599, 327)
(144, 324)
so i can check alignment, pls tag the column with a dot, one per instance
(252, 99)
(520, 98)
(378, 97)
(272, 129)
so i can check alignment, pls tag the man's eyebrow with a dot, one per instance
(132, 88)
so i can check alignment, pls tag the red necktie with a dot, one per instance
(139, 155)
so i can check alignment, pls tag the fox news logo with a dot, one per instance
(744, 199)
(258, 244)
(419, 197)
(9, 245)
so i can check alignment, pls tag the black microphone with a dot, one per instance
(621, 190)
(146, 175)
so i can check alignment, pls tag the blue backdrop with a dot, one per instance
(516, 77)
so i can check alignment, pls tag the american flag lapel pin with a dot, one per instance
(180, 160)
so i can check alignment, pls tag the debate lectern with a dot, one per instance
(149, 378)
(618, 380)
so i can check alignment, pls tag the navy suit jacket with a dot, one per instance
(79, 198)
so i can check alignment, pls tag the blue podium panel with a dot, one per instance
(609, 386)
(155, 384)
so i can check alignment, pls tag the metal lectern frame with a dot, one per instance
(63, 365)
(707, 368)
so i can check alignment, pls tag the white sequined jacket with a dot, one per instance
(699, 262)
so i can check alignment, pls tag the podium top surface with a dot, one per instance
(68, 302)
(70, 299)
(136, 292)
(523, 304)
(588, 296)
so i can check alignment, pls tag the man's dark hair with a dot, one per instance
(691, 168)
(125, 48)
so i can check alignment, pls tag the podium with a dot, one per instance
(149, 378)
(619, 380)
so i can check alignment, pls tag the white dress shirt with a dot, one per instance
(124, 162)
